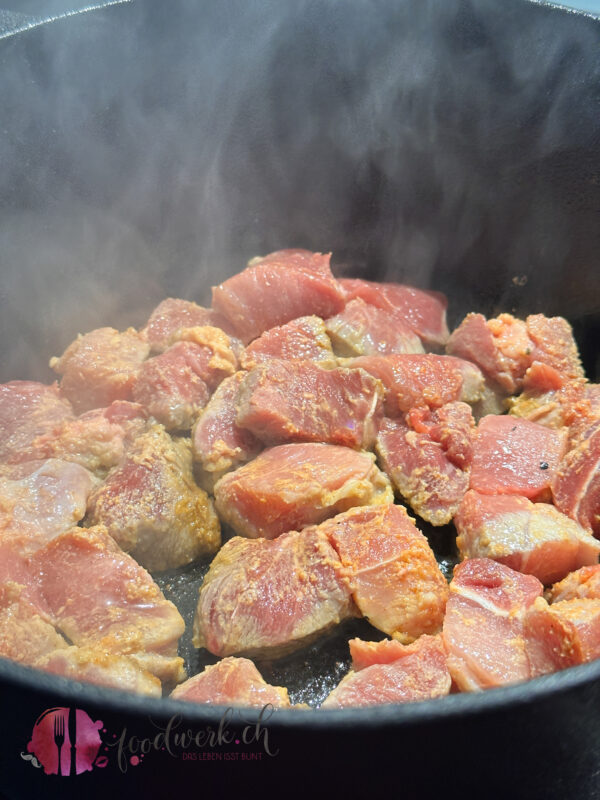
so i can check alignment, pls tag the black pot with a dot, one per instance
(149, 149)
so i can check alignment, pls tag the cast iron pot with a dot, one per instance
(149, 149)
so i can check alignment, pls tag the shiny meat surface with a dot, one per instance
(366, 330)
(231, 682)
(284, 401)
(277, 289)
(390, 672)
(423, 311)
(303, 339)
(294, 485)
(534, 538)
(268, 597)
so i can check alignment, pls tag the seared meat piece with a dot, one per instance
(365, 330)
(416, 381)
(284, 401)
(582, 583)
(170, 386)
(515, 456)
(29, 410)
(429, 460)
(423, 311)
(483, 627)
(562, 635)
(97, 439)
(302, 339)
(171, 315)
(40, 499)
(175, 385)
(271, 596)
(101, 366)
(501, 347)
(390, 672)
(26, 633)
(576, 486)
(99, 596)
(551, 400)
(218, 442)
(393, 575)
(276, 289)
(294, 485)
(534, 538)
(505, 347)
(499, 630)
(231, 682)
(554, 345)
(152, 506)
(95, 665)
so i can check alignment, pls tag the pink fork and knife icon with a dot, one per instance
(59, 740)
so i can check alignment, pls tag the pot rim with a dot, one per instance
(461, 705)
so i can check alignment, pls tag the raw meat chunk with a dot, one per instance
(576, 486)
(294, 485)
(271, 596)
(392, 572)
(29, 410)
(500, 347)
(100, 366)
(365, 330)
(483, 627)
(99, 596)
(429, 462)
(582, 583)
(284, 401)
(276, 289)
(40, 499)
(534, 538)
(302, 339)
(152, 506)
(515, 456)
(172, 314)
(421, 310)
(218, 442)
(390, 672)
(413, 381)
(231, 682)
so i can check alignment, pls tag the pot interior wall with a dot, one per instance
(151, 148)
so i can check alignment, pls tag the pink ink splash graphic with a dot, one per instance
(66, 741)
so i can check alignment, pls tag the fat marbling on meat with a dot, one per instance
(422, 310)
(534, 538)
(286, 401)
(366, 330)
